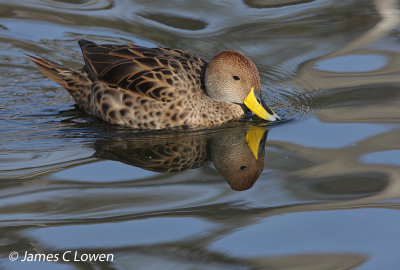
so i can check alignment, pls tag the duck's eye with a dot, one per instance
(236, 78)
(243, 168)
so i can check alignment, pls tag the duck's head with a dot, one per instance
(232, 77)
(238, 155)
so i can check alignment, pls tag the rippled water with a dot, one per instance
(320, 190)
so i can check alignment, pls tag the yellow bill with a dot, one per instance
(254, 136)
(254, 102)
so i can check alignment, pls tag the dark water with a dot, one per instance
(320, 190)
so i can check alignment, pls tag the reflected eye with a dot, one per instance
(243, 168)
(236, 78)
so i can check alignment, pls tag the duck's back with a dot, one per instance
(128, 66)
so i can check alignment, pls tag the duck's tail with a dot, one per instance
(75, 81)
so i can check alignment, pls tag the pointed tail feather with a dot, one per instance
(75, 81)
(52, 70)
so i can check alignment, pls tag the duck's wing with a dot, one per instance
(153, 72)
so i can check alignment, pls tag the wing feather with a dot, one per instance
(154, 72)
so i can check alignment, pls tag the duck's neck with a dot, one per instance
(217, 112)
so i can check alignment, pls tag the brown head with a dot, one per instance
(239, 156)
(232, 77)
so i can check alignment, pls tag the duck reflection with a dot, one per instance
(237, 153)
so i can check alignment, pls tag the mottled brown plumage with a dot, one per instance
(155, 88)
(229, 149)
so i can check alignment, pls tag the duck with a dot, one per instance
(160, 88)
(237, 153)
